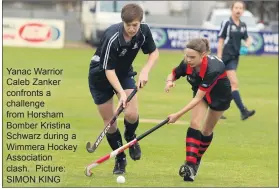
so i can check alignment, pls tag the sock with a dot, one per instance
(130, 129)
(115, 141)
(205, 142)
(237, 100)
(193, 138)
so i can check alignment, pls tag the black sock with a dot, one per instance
(130, 129)
(205, 142)
(193, 138)
(237, 100)
(115, 141)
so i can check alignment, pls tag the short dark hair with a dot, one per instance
(234, 2)
(199, 44)
(131, 12)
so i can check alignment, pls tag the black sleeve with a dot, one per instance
(109, 54)
(179, 71)
(208, 80)
(149, 45)
(223, 30)
(245, 35)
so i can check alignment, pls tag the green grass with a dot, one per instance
(243, 154)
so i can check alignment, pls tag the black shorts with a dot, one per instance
(100, 88)
(231, 62)
(218, 103)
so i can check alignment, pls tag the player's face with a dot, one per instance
(237, 9)
(132, 28)
(192, 57)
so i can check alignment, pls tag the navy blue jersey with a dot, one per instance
(232, 34)
(211, 77)
(114, 53)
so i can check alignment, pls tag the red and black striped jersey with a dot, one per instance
(210, 78)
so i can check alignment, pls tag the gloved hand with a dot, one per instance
(243, 50)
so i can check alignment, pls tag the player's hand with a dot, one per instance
(143, 78)
(173, 117)
(122, 100)
(243, 50)
(169, 84)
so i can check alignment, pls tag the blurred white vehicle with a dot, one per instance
(178, 7)
(216, 17)
(97, 16)
(272, 27)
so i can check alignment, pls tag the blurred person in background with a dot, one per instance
(232, 32)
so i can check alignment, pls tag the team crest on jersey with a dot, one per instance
(242, 29)
(95, 58)
(204, 85)
(190, 79)
(233, 28)
(135, 46)
(123, 52)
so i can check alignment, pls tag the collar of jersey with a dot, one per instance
(231, 20)
(202, 69)
(121, 39)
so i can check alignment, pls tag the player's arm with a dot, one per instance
(109, 61)
(199, 96)
(113, 80)
(222, 35)
(152, 59)
(246, 38)
(148, 47)
(109, 58)
(177, 72)
(204, 87)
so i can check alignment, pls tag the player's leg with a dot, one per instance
(231, 73)
(131, 117)
(189, 171)
(192, 142)
(207, 131)
(229, 63)
(103, 98)
(216, 110)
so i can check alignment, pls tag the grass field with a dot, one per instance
(243, 154)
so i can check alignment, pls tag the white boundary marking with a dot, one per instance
(142, 120)
(156, 121)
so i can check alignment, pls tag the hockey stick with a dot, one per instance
(88, 171)
(91, 148)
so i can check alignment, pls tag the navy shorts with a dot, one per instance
(231, 62)
(101, 90)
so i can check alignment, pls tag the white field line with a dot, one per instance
(142, 120)
(156, 121)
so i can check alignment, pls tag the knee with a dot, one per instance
(131, 116)
(206, 132)
(234, 85)
(113, 126)
(195, 124)
(107, 120)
